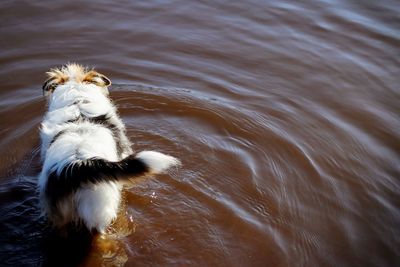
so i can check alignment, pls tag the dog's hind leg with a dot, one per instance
(97, 205)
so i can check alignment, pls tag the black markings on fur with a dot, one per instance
(94, 170)
(72, 121)
(102, 119)
(56, 137)
(105, 121)
(48, 86)
(106, 81)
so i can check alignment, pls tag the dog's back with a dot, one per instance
(85, 151)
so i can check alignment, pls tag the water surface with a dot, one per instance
(284, 114)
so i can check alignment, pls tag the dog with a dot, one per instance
(85, 152)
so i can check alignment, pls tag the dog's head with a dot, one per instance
(76, 73)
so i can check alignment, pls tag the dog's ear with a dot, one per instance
(56, 77)
(97, 79)
(49, 86)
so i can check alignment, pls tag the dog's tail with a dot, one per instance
(63, 181)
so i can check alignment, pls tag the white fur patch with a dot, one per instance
(98, 204)
(157, 162)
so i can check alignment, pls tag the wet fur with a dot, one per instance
(85, 152)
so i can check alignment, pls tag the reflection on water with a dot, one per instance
(285, 115)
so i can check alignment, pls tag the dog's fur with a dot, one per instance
(85, 152)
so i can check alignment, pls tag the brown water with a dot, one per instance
(286, 116)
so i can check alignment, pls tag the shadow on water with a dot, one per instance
(81, 247)
(25, 236)
(69, 250)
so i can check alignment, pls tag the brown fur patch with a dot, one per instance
(76, 72)
(96, 78)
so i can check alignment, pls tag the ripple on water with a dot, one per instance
(285, 116)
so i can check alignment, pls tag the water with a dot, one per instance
(285, 115)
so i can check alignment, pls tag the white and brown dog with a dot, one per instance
(85, 152)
